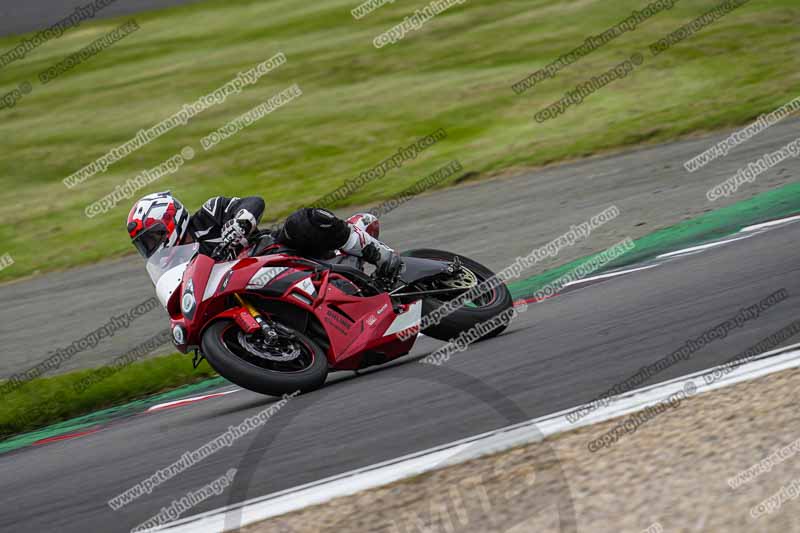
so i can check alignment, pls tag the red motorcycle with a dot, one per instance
(275, 322)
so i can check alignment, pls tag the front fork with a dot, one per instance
(250, 320)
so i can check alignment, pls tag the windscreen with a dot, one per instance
(167, 259)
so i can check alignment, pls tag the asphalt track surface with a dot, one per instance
(560, 353)
(23, 17)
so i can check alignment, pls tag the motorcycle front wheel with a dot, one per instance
(283, 366)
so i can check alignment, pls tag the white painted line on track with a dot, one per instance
(187, 401)
(771, 223)
(746, 229)
(608, 275)
(688, 251)
(262, 508)
(702, 247)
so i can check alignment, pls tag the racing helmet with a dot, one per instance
(157, 221)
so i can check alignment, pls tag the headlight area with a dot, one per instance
(188, 302)
(178, 335)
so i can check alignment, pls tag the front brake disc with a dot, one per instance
(264, 351)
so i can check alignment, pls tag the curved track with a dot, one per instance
(561, 353)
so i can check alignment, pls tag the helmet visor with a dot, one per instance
(150, 240)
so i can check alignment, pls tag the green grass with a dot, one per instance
(44, 401)
(359, 104)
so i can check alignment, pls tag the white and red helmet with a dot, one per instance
(157, 221)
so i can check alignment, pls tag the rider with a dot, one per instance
(159, 221)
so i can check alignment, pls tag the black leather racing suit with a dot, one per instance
(205, 226)
(311, 231)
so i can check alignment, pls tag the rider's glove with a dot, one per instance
(388, 262)
(390, 268)
(236, 230)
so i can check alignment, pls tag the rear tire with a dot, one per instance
(259, 379)
(463, 318)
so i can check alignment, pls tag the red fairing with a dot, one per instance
(360, 330)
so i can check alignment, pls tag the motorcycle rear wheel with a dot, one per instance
(488, 306)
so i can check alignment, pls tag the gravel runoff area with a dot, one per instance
(670, 474)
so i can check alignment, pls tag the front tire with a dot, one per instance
(244, 371)
(463, 318)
